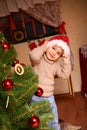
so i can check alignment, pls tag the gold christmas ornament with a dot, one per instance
(19, 69)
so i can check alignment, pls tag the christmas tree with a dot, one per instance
(18, 83)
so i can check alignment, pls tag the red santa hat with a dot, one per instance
(61, 41)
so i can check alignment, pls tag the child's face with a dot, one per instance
(54, 52)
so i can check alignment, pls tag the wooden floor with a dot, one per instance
(73, 109)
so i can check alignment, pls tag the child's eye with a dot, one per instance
(60, 54)
(53, 48)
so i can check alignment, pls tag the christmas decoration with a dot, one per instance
(7, 84)
(39, 92)
(34, 121)
(19, 69)
(15, 62)
(32, 45)
(17, 86)
(41, 42)
(5, 45)
(7, 101)
(62, 28)
(18, 35)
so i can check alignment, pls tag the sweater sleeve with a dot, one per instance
(63, 70)
(37, 53)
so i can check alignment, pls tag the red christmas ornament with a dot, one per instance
(39, 92)
(7, 84)
(5, 45)
(33, 121)
(15, 62)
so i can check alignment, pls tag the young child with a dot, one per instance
(44, 60)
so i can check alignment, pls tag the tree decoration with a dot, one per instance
(34, 121)
(7, 101)
(39, 92)
(19, 69)
(5, 45)
(15, 62)
(18, 35)
(18, 85)
(7, 84)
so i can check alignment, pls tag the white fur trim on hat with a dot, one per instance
(61, 44)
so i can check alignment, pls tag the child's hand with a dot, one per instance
(66, 58)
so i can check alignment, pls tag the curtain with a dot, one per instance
(45, 11)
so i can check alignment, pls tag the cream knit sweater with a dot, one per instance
(46, 70)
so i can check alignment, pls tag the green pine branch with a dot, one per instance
(15, 106)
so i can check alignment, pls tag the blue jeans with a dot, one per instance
(54, 109)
